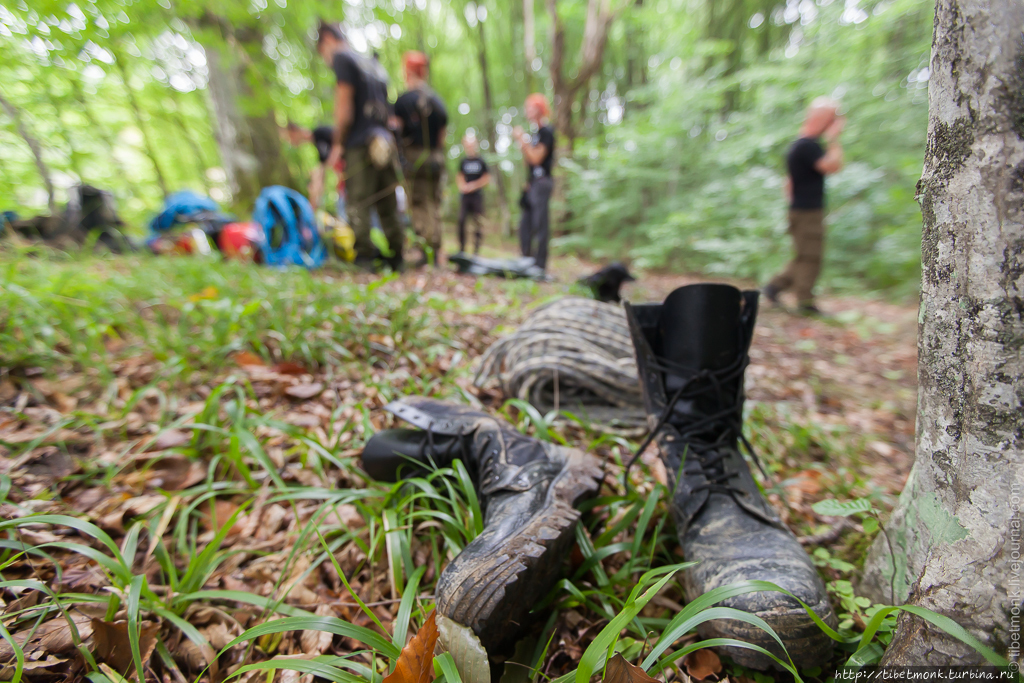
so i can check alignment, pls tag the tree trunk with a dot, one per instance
(196, 152)
(957, 524)
(74, 156)
(37, 151)
(529, 46)
(250, 146)
(100, 130)
(595, 37)
(506, 221)
(119, 59)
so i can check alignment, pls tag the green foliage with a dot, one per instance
(191, 316)
(679, 138)
(692, 179)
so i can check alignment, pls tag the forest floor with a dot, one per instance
(180, 444)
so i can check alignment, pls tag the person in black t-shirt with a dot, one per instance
(423, 123)
(539, 153)
(322, 138)
(473, 177)
(807, 165)
(361, 135)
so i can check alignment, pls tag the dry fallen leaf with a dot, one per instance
(465, 648)
(290, 368)
(113, 646)
(805, 482)
(207, 293)
(7, 671)
(621, 671)
(702, 663)
(416, 663)
(243, 358)
(304, 391)
(317, 642)
(221, 512)
(171, 438)
(175, 473)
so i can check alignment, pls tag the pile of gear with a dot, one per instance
(283, 230)
(90, 215)
(691, 353)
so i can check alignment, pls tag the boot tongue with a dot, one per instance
(698, 330)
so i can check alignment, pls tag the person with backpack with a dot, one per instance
(362, 138)
(472, 179)
(539, 154)
(423, 122)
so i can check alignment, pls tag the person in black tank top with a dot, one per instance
(807, 164)
(539, 154)
(423, 125)
(361, 112)
(473, 177)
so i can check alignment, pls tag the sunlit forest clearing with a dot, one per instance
(183, 424)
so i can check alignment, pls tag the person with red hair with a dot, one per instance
(423, 122)
(539, 154)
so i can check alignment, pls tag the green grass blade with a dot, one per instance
(132, 607)
(470, 492)
(19, 654)
(957, 631)
(405, 608)
(87, 528)
(598, 650)
(314, 667)
(445, 665)
(329, 624)
(239, 596)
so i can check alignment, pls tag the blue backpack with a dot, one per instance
(187, 207)
(290, 235)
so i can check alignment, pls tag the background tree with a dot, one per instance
(954, 525)
(678, 133)
(566, 87)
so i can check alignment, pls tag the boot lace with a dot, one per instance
(708, 436)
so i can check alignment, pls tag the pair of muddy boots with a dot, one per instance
(691, 355)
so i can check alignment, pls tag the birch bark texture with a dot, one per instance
(956, 529)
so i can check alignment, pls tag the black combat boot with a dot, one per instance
(691, 354)
(527, 489)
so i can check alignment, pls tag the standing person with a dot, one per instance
(539, 153)
(473, 177)
(361, 136)
(423, 122)
(808, 163)
(321, 137)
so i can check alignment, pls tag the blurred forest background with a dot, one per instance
(674, 115)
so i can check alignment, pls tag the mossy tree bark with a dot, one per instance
(244, 124)
(956, 529)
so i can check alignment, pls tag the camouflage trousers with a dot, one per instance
(807, 228)
(424, 174)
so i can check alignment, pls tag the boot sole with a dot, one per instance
(806, 644)
(493, 589)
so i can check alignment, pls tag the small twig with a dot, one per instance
(379, 603)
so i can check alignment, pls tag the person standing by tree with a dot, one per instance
(807, 164)
(539, 155)
(423, 122)
(361, 135)
(473, 177)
